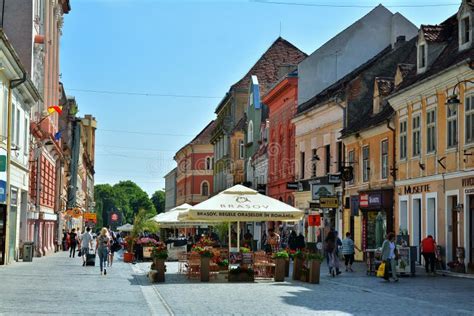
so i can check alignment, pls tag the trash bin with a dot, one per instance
(28, 247)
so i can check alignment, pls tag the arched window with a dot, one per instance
(250, 132)
(204, 188)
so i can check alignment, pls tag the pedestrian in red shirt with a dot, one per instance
(428, 250)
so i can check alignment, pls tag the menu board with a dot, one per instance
(247, 258)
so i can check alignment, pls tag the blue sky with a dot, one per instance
(195, 49)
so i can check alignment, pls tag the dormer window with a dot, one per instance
(465, 30)
(421, 56)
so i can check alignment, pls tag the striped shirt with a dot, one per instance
(347, 246)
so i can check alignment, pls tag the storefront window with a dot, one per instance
(376, 229)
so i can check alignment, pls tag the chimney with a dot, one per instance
(400, 41)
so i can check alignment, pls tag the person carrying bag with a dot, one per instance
(389, 256)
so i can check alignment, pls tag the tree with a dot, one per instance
(158, 200)
(125, 196)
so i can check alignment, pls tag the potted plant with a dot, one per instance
(206, 256)
(159, 254)
(147, 245)
(314, 263)
(280, 258)
(241, 274)
(298, 261)
(223, 264)
(141, 223)
(128, 254)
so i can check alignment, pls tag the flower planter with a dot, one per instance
(160, 268)
(287, 267)
(297, 267)
(128, 257)
(241, 277)
(304, 276)
(280, 264)
(314, 271)
(147, 252)
(205, 269)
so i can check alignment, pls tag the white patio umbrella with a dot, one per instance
(125, 228)
(171, 219)
(240, 203)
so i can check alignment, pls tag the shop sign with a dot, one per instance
(313, 205)
(318, 191)
(314, 220)
(328, 202)
(414, 189)
(375, 199)
(468, 182)
(364, 200)
(334, 178)
(3, 190)
(292, 185)
(354, 205)
(469, 191)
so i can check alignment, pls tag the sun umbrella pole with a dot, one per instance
(230, 238)
(238, 236)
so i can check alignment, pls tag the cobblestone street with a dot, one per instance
(60, 285)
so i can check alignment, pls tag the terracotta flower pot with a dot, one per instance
(128, 257)
(297, 267)
(280, 269)
(314, 271)
(205, 269)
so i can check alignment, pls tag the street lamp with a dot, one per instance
(453, 101)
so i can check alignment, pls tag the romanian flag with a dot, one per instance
(55, 108)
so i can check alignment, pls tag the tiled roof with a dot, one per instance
(204, 136)
(448, 57)
(385, 85)
(373, 120)
(406, 69)
(435, 33)
(267, 68)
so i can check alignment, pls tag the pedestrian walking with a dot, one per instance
(114, 247)
(428, 250)
(86, 245)
(102, 247)
(348, 251)
(72, 243)
(389, 255)
(331, 251)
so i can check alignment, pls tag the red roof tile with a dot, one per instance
(435, 33)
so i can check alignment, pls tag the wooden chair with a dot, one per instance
(194, 266)
(182, 260)
(263, 265)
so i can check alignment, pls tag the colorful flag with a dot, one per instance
(55, 108)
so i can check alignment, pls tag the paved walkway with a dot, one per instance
(58, 284)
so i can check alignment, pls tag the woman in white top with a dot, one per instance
(389, 254)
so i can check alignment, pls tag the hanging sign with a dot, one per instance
(328, 202)
(318, 191)
(314, 220)
(90, 217)
(364, 200)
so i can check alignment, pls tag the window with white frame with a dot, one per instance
(465, 30)
(384, 160)
(365, 164)
(241, 149)
(416, 131)
(452, 118)
(25, 140)
(403, 139)
(421, 56)
(351, 162)
(250, 132)
(431, 130)
(469, 115)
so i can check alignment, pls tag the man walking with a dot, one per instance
(86, 244)
(428, 248)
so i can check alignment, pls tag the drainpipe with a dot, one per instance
(394, 157)
(11, 85)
